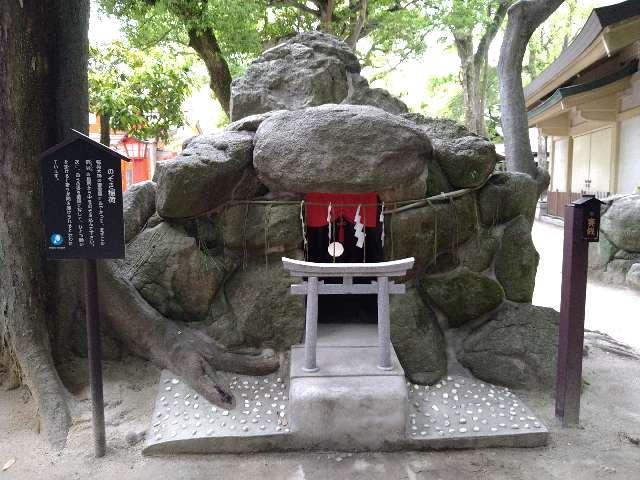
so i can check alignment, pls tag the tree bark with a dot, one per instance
(326, 14)
(361, 19)
(105, 129)
(523, 19)
(38, 44)
(468, 79)
(205, 43)
(473, 69)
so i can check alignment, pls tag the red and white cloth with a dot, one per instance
(343, 205)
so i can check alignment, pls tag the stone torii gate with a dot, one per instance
(314, 287)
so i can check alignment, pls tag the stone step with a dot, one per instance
(349, 402)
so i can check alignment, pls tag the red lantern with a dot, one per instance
(134, 148)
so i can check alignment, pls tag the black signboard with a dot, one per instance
(82, 200)
(591, 217)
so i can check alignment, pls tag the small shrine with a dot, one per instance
(331, 271)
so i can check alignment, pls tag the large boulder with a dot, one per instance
(211, 170)
(465, 158)
(621, 222)
(250, 123)
(478, 253)
(437, 182)
(466, 161)
(517, 261)
(601, 252)
(307, 70)
(462, 295)
(262, 228)
(516, 348)
(361, 94)
(617, 270)
(633, 276)
(417, 338)
(138, 204)
(256, 308)
(507, 195)
(338, 148)
(426, 232)
(171, 272)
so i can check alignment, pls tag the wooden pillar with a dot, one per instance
(311, 326)
(384, 328)
(572, 301)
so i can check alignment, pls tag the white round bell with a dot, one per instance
(335, 249)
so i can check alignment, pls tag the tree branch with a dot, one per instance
(359, 24)
(206, 46)
(293, 3)
(523, 18)
(490, 32)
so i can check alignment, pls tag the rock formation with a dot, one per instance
(203, 281)
(615, 259)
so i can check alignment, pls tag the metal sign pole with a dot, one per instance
(94, 348)
(83, 218)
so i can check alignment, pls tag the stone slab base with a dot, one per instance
(341, 412)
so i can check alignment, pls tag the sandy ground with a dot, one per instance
(613, 310)
(599, 449)
(603, 447)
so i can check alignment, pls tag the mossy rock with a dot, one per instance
(517, 261)
(256, 309)
(260, 228)
(462, 295)
(478, 253)
(417, 338)
(507, 195)
(517, 347)
(426, 232)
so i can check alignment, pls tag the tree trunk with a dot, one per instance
(468, 80)
(326, 14)
(43, 46)
(105, 129)
(480, 95)
(205, 43)
(473, 68)
(361, 19)
(523, 19)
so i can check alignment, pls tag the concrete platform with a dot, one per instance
(334, 411)
(349, 402)
(463, 412)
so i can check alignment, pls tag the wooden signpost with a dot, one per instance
(82, 216)
(581, 226)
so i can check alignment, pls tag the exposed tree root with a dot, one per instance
(187, 352)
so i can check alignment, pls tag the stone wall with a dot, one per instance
(304, 120)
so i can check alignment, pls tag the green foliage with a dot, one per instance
(238, 24)
(553, 36)
(141, 92)
(244, 28)
(450, 101)
(400, 32)
(472, 16)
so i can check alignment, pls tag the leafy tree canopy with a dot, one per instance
(238, 24)
(553, 36)
(139, 92)
(243, 28)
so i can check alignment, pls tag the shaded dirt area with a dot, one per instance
(602, 448)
